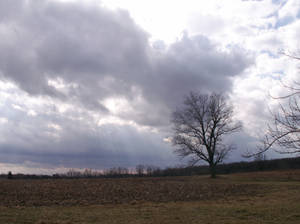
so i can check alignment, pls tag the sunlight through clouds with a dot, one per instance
(93, 83)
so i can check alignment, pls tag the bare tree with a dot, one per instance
(140, 169)
(199, 127)
(284, 131)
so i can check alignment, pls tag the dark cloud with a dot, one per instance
(94, 53)
(76, 144)
(106, 54)
(92, 47)
(194, 63)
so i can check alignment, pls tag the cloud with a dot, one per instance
(94, 53)
(80, 44)
(103, 148)
(89, 89)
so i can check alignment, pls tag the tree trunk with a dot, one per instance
(212, 169)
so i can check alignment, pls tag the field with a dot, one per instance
(265, 197)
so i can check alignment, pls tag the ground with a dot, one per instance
(264, 197)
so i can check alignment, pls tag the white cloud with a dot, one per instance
(3, 120)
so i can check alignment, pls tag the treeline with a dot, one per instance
(154, 171)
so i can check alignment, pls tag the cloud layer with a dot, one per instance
(85, 86)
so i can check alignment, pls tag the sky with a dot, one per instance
(92, 84)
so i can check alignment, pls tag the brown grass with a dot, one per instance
(265, 197)
(117, 191)
(282, 176)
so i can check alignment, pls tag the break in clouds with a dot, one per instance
(83, 86)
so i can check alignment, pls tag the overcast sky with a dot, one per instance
(92, 84)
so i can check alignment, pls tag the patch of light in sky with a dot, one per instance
(167, 20)
(163, 20)
(115, 105)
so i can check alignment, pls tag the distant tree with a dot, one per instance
(123, 171)
(9, 175)
(73, 173)
(140, 169)
(260, 157)
(260, 161)
(199, 127)
(150, 170)
(87, 172)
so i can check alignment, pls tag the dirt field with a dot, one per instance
(266, 197)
